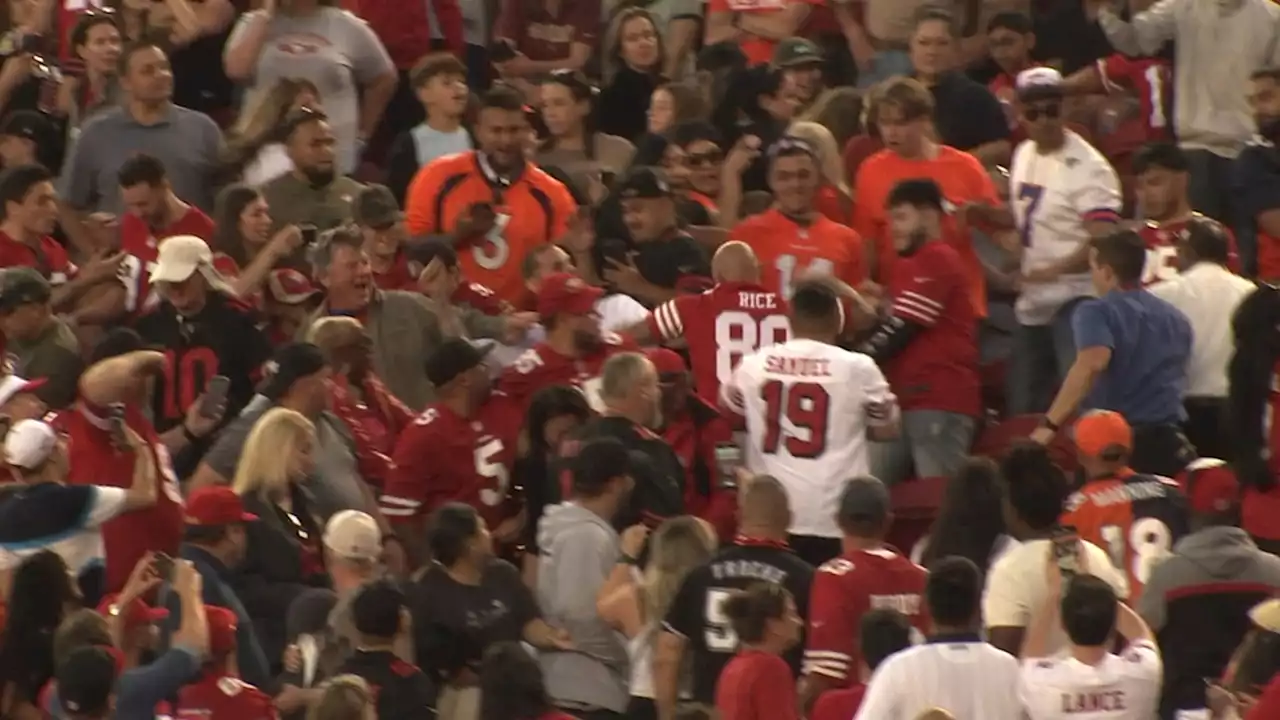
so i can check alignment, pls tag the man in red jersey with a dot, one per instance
(1162, 171)
(574, 349)
(95, 458)
(881, 633)
(732, 319)
(926, 342)
(220, 694)
(460, 449)
(1150, 79)
(866, 576)
(154, 213)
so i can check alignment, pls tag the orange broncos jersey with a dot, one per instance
(788, 250)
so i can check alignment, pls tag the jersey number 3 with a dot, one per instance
(800, 411)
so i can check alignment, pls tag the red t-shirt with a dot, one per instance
(845, 589)
(839, 704)
(94, 460)
(541, 366)
(938, 370)
(217, 696)
(787, 250)
(756, 685)
(443, 457)
(142, 246)
(835, 207)
(720, 326)
(1162, 248)
(50, 259)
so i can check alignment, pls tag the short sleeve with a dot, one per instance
(405, 495)
(524, 606)
(586, 20)
(368, 56)
(1003, 603)
(420, 201)
(684, 617)
(1142, 660)
(875, 388)
(564, 207)
(1098, 197)
(105, 503)
(1090, 324)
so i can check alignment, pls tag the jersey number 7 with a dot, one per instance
(800, 411)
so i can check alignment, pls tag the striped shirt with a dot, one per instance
(961, 674)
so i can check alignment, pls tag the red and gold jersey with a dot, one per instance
(141, 245)
(1162, 247)
(217, 696)
(49, 258)
(541, 366)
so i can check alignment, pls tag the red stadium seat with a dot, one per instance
(995, 440)
(915, 507)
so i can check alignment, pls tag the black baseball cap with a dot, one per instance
(24, 124)
(290, 364)
(643, 182)
(22, 286)
(795, 52)
(599, 461)
(864, 499)
(375, 207)
(451, 358)
(86, 680)
(375, 610)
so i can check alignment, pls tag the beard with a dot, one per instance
(320, 177)
(1268, 126)
(586, 341)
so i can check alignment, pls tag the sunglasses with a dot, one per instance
(1048, 111)
(711, 157)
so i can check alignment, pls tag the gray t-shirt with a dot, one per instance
(332, 48)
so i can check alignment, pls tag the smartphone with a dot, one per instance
(215, 395)
(163, 564)
(115, 415)
(728, 461)
(1066, 551)
(614, 249)
(309, 234)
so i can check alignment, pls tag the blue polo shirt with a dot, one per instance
(1150, 342)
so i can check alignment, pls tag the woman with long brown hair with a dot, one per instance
(255, 150)
(242, 235)
(632, 71)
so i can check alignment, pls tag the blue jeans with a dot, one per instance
(934, 443)
(886, 64)
(1042, 355)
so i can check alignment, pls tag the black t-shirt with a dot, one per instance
(967, 115)
(454, 623)
(659, 476)
(664, 262)
(696, 614)
(403, 691)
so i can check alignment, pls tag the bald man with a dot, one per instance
(695, 625)
(735, 318)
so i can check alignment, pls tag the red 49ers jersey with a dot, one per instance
(1151, 80)
(1135, 518)
(720, 326)
(1162, 248)
(844, 589)
(479, 297)
(216, 696)
(541, 366)
(443, 457)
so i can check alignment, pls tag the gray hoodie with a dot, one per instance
(1213, 555)
(579, 550)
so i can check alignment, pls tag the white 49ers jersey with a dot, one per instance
(1121, 687)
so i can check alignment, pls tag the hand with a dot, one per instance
(559, 639)
(625, 276)
(515, 325)
(395, 558)
(436, 282)
(134, 441)
(1042, 435)
(740, 157)
(200, 425)
(142, 580)
(103, 229)
(580, 236)
(518, 66)
(103, 265)
(508, 531)
(285, 242)
(291, 698)
(187, 581)
(477, 221)
(864, 54)
(633, 540)
(292, 659)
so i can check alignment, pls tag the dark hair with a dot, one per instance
(139, 169)
(375, 610)
(688, 101)
(433, 65)
(502, 97)
(434, 249)
(511, 684)
(881, 633)
(970, 518)
(691, 131)
(118, 341)
(87, 22)
(1124, 252)
(1088, 611)
(40, 594)
(452, 526)
(953, 591)
(814, 302)
(933, 13)
(1266, 73)
(17, 181)
(133, 48)
(1013, 21)
(750, 610)
(1208, 240)
(227, 209)
(547, 404)
(1163, 155)
(1035, 487)
(297, 118)
(919, 193)
(582, 91)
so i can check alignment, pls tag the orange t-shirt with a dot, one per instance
(787, 250)
(962, 180)
(759, 50)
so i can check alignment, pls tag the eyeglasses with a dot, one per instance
(710, 157)
(1049, 111)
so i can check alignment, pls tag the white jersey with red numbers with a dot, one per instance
(808, 406)
(1121, 687)
(1162, 241)
(720, 326)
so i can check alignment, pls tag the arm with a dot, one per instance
(996, 152)
(1090, 363)
(1130, 626)
(192, 22)
(855, 34)
(1035, 643)
(778, 25)
(668, 653)
(115, 379)
(376, 95)
(884, 420)
(245, 44)
(1004, 609)
(142, 488)
(1085, 81)
(1145, 34)
(253, 276)
(682, 35)
(720, 28)
(618, 604)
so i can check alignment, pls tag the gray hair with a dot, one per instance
(620, 374)
(320, 254)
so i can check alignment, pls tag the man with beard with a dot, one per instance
(493, 204)
(1256, 177)
(1162, 172)
(574, 351)
(312, 194)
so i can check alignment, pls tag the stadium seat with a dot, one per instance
(915, 507)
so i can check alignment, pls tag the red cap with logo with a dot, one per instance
(1211, 486)
(666, 361)
(136, 613)
(566, 293)
(216, 505)
(223, 624)
(289, 287)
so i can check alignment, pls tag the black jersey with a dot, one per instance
(403, 692)
(697, 616)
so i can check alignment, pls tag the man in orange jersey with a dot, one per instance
(493, 203)
(904, 115)
(1135, 517)
(793, 239)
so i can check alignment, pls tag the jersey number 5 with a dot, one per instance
(489, 466)
(800, 411)
(718, 635)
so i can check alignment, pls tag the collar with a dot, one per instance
(199, 554)
(746, 541)
(164, 120)
(954, 638)
(492, 177)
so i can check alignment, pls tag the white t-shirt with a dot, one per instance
(1121, 687)
(1208, 294)
(971, 680)
(1016, 586)
(1053, 196)
(806, 408)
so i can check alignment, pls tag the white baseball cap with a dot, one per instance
(180, 257)
(1038, 81)
(353, 535)
(29, 444)
(13, 385)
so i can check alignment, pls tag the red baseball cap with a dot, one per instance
(289, 287)
(567, 293)
(666, 361)
(1211, 486)
(136, 613)
(223, 624)
(1103, 432)
(215, 505)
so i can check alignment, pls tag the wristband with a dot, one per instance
(626, 559)
(1048, 424)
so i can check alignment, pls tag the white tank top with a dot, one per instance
(640, 651)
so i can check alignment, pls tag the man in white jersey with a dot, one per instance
(810, 408)
(1063, 192)
(1088, 682)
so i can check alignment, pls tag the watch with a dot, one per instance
(1048, 424)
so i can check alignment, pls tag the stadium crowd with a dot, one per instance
(653, 359)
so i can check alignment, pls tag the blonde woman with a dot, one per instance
(635, 603)
(255, 150)
(283, 555)
(835, 200)
(346, 697)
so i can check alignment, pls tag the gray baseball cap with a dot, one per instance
(864, 498)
